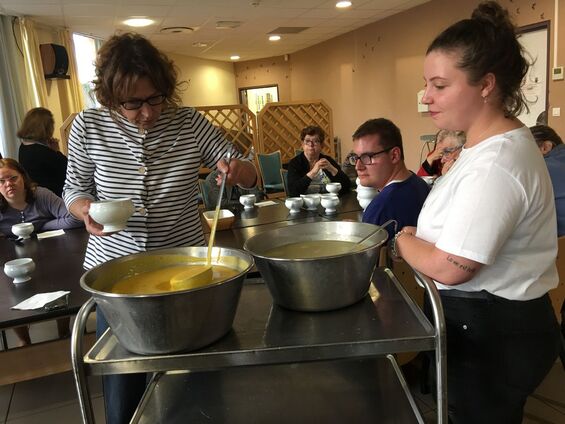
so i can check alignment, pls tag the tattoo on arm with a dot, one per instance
(464, 267)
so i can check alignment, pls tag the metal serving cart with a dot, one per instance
(277, 365)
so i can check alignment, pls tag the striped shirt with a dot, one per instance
(158, 170)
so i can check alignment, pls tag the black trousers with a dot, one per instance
(498, 352)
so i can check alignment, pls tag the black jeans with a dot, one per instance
(498, 352)
(122, 393)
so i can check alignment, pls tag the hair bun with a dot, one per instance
(493, 12)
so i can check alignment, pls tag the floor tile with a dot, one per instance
(542, 413)
(552, 389)
(5, 395)
(42, 394)
(64, 414)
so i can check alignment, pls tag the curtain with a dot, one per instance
(33, 66)
(74, 92)
(14, 98)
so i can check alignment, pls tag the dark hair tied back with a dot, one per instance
(487, 44)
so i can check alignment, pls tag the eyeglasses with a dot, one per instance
(11, 179)
(450, 150)
(137, 103)
(312, 142)
(366, 158)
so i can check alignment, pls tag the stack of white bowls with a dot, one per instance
(365, 194)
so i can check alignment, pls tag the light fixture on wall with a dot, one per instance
(343, 4)
(234, 57)
(139, 21)
(274, 37)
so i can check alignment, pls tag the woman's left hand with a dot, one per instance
(326, 164)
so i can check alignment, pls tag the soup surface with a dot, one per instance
(311, 249)
(158, 281)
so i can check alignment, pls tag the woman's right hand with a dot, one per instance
(79, 208)
(435, 155)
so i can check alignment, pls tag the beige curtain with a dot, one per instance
(75, 98)
(33, 67)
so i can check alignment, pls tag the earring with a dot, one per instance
(485, 99)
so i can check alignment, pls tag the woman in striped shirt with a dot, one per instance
(143, 145)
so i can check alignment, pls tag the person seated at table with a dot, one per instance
(310, 171)
(379, 161)
(553, 150)
(452, 144)
(212, 184)
(39, 152)
(431, 167)
(21, 200)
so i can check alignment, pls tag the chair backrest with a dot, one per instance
(65, 130)
(284, 176)
(204, 192)
(269, 166)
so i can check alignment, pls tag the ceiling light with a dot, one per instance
(139, 22)
(343, 4)
(274, 37)
(234, 57)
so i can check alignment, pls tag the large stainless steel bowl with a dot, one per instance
(320, 284)
(173, 321)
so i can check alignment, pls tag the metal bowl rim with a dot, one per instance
(164, 294)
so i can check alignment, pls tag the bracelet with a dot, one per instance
(393, 248)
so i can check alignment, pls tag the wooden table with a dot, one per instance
(58, 262)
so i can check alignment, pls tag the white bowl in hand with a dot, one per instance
(333, 188)
(311, 201)
(23, 230)
(329, 203)
(112, 214)
(19, 269)
(247, 200)
(294, 204)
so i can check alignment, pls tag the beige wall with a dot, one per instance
(208, 82)
(273, 70)
(377, 70)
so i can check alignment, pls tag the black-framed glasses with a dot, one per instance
(134, 104)
(312, 142)
(450, 150)
(11, 179)
(367, 158)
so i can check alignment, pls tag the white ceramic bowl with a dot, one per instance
(365, 195)
(247, 200)
(364, 202)
(294, 204)
(333, 187)
(23, 230)
(311, 201)
(428, 179)
(19, 269)
(329, 203)
(112, 214)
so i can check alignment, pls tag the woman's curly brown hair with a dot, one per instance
(126, 58)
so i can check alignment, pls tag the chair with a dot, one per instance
(557, 295)
(269, 166)
(284, 176)
(65, 131)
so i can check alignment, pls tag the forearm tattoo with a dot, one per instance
(459, 265)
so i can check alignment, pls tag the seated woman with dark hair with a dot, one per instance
(311, 170)
(39, 152)
(21, 200)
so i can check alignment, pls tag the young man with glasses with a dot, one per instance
(379, 161)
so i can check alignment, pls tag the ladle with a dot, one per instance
(357, 244)
(197, 276)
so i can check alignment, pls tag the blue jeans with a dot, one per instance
(122, 393)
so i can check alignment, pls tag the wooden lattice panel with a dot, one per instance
(236, 122)
(280, 125)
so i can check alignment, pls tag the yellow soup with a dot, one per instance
(311, 249)
(159, 281)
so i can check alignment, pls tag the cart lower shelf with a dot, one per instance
(355, 391)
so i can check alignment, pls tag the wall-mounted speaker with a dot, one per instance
(55, 61)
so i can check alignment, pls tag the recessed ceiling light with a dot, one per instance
(234, 57)
(176, 30)
(274, 37)
(343, 4)
(139, 22)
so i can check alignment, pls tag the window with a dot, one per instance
(86, 48)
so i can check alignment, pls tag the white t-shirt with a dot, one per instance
(495, 206)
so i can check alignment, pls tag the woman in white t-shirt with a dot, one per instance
(486, 233)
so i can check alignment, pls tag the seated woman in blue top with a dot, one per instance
(310, 170)
(22, 201)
